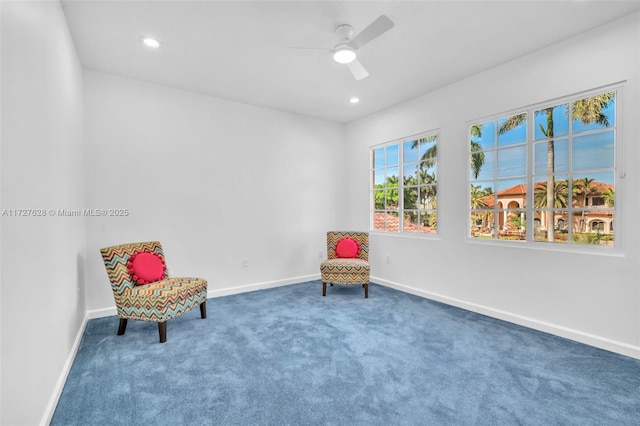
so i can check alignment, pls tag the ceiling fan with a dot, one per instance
(345, 50)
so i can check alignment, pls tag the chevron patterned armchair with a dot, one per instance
(347, 260)
(142, 289)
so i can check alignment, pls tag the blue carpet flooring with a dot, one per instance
(288, 356)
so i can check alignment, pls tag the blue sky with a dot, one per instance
(590, 153)
(389, 156)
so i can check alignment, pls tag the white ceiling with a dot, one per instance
(243, 50)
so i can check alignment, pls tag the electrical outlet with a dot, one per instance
(388, 259)
(320, 254)
(245, 263)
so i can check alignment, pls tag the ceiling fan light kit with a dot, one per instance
(344, 54)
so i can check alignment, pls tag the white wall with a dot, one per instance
(42, 257)
(594, 299)
(214, 181)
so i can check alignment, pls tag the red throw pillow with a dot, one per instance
(347, 247)
(146, 267)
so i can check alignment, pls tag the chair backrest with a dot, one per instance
(361, 237)
(116, 258)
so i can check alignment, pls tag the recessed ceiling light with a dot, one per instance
(150, 42)
(354, 100)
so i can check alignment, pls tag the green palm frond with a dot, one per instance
(477, 159)
(560, 194)
(589, 110)
(512, 122)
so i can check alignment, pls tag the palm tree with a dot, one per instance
(609, 197)
(427, 161)
(410, 181)
(560, 198)
(588, 110)
(479, 201)
(477, 158)
(428, 158)
(583, 187)
(478, 198)
(427, 191)
(392, 194)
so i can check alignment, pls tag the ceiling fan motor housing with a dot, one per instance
(344, 32)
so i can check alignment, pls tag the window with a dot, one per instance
(404, 186)
(553, 164)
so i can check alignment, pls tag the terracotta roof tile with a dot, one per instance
(379, 220)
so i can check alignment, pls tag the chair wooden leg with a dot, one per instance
(122, 326)
(162, 329)
(324, 288)
(203, 310)
(366, 290)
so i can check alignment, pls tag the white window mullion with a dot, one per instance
(529, 210)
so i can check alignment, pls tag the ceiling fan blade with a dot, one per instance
(310, 48)
(374, 30)
(357, 70)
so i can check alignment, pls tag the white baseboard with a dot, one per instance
(565, 332)
(107, 312)
(62, 379)
(104, 312)
(261, 286)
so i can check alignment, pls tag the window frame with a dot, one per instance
(401, 210)
(529, 209)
